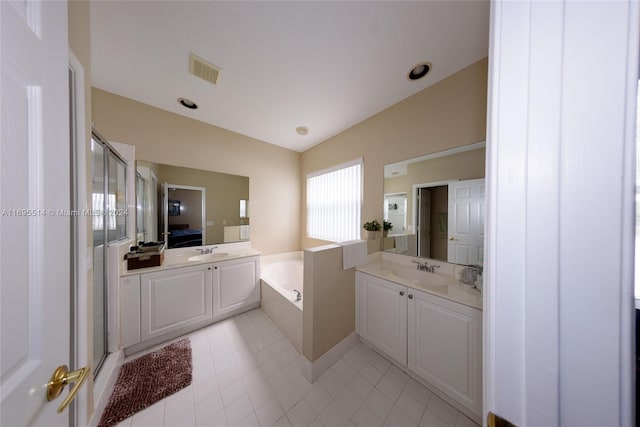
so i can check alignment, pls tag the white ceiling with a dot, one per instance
(324, 65)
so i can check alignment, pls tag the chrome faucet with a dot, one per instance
(298, 294)
(204, 251)
(424, 266)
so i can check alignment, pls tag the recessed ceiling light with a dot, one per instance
(302, 130)
(188, 103)
(419, 71)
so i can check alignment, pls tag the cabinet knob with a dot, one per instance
(401, 293)
(209, 268)
(215, 268)
(410, 296)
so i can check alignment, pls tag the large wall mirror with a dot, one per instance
(190, 207)
(435, 204)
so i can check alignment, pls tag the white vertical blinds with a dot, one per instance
(100, 211)
(334, 200)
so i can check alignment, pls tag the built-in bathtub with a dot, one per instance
(281, 274)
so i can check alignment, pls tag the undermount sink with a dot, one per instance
(209, 257)
(421, 277)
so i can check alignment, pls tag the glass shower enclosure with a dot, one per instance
(108, 219)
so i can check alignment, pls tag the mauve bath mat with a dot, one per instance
(148, 379)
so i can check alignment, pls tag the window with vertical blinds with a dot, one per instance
(334, 200)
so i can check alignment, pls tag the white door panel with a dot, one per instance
(466, 221)
(558, 297)
(34, 183)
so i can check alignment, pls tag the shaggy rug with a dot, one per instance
(148, 379)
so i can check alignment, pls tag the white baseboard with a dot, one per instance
(104, 385)
(314, 370)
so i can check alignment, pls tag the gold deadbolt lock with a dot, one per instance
(60, 378)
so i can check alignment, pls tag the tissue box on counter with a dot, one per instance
(146, 256)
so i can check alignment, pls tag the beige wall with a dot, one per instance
(329, 301)
(163, 137)
(449, 114)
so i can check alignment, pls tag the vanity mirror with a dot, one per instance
(436, 205)
(190, 207)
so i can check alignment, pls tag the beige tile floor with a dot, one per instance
(246, 373)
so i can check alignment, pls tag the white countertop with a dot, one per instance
(177, 258)
(449, 288)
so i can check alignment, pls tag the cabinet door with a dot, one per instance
(235, 285)
(445, 347)
(382, 315)
(129, 310)
(175, 299)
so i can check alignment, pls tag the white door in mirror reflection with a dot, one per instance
(466, 222)
(395, 211)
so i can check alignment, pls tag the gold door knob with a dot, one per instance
(60, 378)
(451, 238)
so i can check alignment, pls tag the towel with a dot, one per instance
(354, 253)
(402, 244)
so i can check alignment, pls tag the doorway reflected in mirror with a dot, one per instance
(436, 205)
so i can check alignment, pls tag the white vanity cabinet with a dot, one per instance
(445, 346)
(166, 303)
(434, 338)
(382, 315)
(235, 285)
(175, 299)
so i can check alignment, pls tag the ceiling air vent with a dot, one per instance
(203, 69)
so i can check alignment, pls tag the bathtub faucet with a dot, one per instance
(298, 294)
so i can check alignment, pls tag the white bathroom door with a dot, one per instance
(466, 222)
(34, 189)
